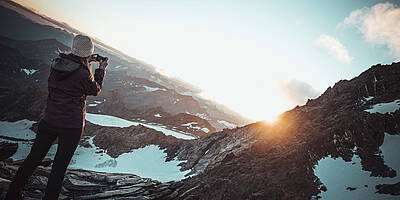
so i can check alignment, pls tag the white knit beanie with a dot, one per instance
(82, 46)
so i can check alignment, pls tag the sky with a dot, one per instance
(260, 58)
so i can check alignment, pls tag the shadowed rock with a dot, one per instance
(7, 150)
(84, 184)
(393, 189)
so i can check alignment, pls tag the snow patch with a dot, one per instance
(176, 101)
(187, 93)
(169, 132)
(335, 173)
(206, 130)
(384, 108)
(202, 115)
(24, 147)
(152, 89)
(28, 71)
(369, 98)
(120, 67)
(227, 124)
(136, 162)
(19, 129)
(190, 125)
(107, 120)
(111, 121)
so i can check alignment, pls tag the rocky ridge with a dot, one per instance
(117, 141)
(256, 161)
(84, 184)
(276, 161)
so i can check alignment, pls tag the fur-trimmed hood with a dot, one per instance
(65, 65)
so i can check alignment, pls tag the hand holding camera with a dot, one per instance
(103, 61)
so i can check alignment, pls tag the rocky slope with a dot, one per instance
(121, 140)
(276, 161)
(83, 184)
(256, 161)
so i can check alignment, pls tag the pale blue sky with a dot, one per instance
(241, 53)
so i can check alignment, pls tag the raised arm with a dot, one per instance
(92, 84)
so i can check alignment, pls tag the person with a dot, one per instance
(69, 82)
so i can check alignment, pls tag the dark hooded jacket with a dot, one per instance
(69, 82)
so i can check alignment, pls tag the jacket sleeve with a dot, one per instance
(91, 85)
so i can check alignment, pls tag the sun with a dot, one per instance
(271, 119)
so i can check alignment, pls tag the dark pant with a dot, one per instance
(68, 140)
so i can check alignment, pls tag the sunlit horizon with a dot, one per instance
(258, 58)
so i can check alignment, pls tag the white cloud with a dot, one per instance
(379, 24)
(334, 47)
(297, 92)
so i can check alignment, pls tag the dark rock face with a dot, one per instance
(7, 150)
(122, 140)
(157, 115)
(276, 161)
(24, 95)
(351, 188)
(393, 189)
(46, 162)
(83, 184)
(177, 121)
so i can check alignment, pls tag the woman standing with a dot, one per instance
(70, 81)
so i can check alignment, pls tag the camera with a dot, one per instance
(100, 58)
